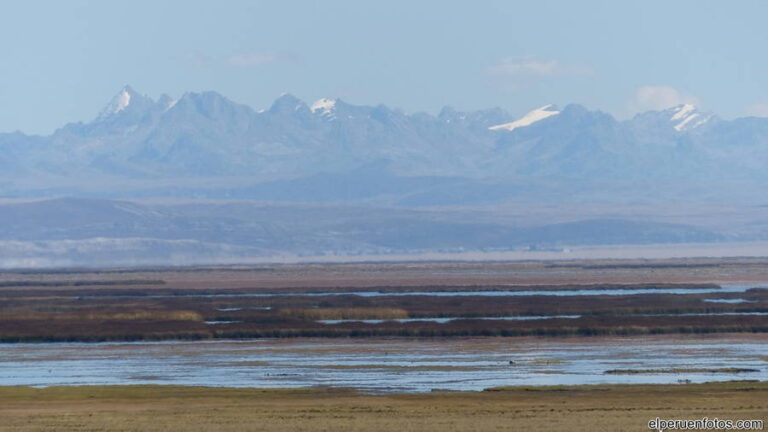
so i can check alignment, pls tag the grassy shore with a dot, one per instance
(557, 408)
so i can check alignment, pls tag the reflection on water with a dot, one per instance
(445, 320)
(734, 301)
(383, 364)
(725, 288)
(710, 314)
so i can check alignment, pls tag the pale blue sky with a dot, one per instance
(63, 60)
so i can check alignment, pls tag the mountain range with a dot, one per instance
(202, 179)
(205, 145)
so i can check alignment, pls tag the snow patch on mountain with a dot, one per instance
(323, 106)
(172, 103)
(686, 117)
(118, 103)
(532, 117)
(683, 111)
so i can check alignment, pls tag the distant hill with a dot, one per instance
(76, 232)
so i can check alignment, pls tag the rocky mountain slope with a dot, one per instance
(206, 145)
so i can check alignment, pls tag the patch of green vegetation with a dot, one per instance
(678, 371)
(403, 368)
(254, 363)
(546, 362)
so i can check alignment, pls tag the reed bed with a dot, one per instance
(158, 315)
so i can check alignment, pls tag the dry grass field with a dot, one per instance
(199, 409)
(308, 277)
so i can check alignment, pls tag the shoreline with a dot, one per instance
(366, 334)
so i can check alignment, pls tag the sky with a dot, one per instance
(62, 61)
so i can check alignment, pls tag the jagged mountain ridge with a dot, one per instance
(137, 143)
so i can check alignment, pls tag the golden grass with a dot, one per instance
(155, 315)
(198, 409)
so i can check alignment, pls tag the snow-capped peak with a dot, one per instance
(681, 111)
(124, 99)
(325, 106)
(686, 117)
(532, 117)
(119, 103)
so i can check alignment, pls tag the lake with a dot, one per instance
(384, 365)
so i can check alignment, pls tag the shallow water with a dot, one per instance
(445, 320)
(709, 314)
(733, 301)
(724, 288)
(382, 365)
